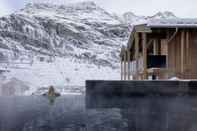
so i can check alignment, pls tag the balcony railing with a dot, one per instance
(140, 67)
(153, 61)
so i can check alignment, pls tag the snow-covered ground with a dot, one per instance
(62, 73)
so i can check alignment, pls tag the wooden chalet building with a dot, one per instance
(161, 49)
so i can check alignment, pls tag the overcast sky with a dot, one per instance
(181, 8)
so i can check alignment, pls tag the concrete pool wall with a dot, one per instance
(148, 105)
(141, 87)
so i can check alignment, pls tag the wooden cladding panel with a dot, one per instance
(182, 55)
(182, 51)
(174, 55)
(171, 56)
(193, 54)
(177, 54)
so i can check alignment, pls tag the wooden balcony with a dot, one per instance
(156, 64)
(153, 61)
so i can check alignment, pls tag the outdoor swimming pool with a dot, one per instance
(76, 113)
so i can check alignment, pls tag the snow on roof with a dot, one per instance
(172, 23)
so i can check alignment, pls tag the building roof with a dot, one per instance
(167, 23)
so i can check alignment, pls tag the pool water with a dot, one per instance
(67, 113)
(77, 113)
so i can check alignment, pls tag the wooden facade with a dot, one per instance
(160, 53)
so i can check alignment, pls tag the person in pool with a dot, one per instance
(51, 95)
(51, 92)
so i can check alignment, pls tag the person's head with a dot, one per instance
(51, 89)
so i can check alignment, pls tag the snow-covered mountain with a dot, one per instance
(131, 18)
(163, 15)
(60, 45)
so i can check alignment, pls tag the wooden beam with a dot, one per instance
(128, 61)
(164, 51)
(137, 52)
(150, 42)
(131, 39)
(142, 28)
(144, 44)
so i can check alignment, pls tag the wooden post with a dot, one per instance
(128, 61)
(121, 68)
(182, 51)
(125, 65)
(144, 41)
(155, 47)
(136, 53)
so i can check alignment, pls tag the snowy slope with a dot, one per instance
(60, 45)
